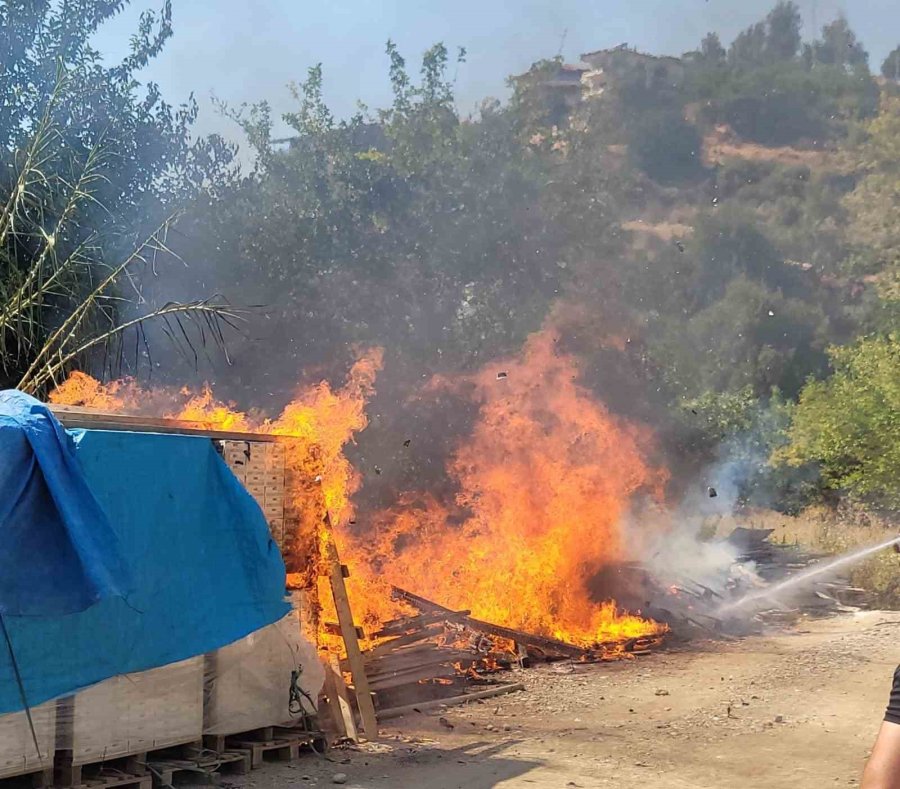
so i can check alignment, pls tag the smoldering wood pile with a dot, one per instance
(689, 606)
(440, 655)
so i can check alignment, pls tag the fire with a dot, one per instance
(543, 483)
(319, 422)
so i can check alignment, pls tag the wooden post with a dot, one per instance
(339, 699)
(348, 632)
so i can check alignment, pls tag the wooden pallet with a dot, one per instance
(124, 771)
(164, 771)
(36, 779)
(151, 768)
(272, 742)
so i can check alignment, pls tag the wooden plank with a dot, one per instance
(497, 690)
(399, 627)
(414, 677)
(348, 631)
(339, 699)
(334, 629)
(401, 641)
(75, 416)
(541, 642)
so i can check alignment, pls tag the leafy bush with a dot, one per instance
(849, 424)
(665, 146)
(784, 103)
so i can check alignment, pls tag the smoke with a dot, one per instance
(688, 542)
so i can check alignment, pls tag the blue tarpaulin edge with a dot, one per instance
(203, 569)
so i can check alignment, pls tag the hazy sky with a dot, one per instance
(247, 50)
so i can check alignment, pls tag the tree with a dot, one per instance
(873, 204)
(61, 293)
(665, 146)
(839, 46)
(783, 31)
(849, 424)
(407, 228)
(890, 67)
(749, 48)
(89, 165)
(147, 142)
(711, 49)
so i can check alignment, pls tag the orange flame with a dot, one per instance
(544, 482)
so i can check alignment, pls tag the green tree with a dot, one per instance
(89, 165)
(890, 66)
(408, 228)
(61, 289)
(873, 204)
(749, 48)
(839, 46)
(665, 146)
(148, 142)
(849, 424)
(783, 25)
(712, 52)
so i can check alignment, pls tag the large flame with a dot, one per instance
(319, 422)
(543, 483)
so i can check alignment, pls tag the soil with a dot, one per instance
(799, 708)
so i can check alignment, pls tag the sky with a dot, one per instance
(246, 51)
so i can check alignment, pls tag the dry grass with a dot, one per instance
(722, 144)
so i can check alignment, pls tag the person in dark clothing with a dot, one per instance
(883, 768)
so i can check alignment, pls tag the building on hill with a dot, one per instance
(609, 66)
(564, 86)
(558, 86)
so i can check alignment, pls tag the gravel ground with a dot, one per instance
(794, 709)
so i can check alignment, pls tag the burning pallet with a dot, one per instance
(442, 656)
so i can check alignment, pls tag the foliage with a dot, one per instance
(849, 424)
(873, 204)
(773, 93)
(783, 31)
(665, 146)
(412, 229)
(781, 103)
(775, 39)
(712, 53)
(147, 142)
(837, 47)
(59, 291)
(890, 66)
(89, 166)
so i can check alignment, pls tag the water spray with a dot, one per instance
(802, 578)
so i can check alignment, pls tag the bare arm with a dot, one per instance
(883, 768)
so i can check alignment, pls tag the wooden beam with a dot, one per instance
(348, 631)
(334, 629)
(541, 642)
(396, 712)
(88, 418)
(399, 627)
(339, 699)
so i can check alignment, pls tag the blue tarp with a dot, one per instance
(205, 571)
(58, 552)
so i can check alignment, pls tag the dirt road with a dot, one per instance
(797, 709)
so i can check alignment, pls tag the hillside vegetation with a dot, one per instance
(720, 250)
